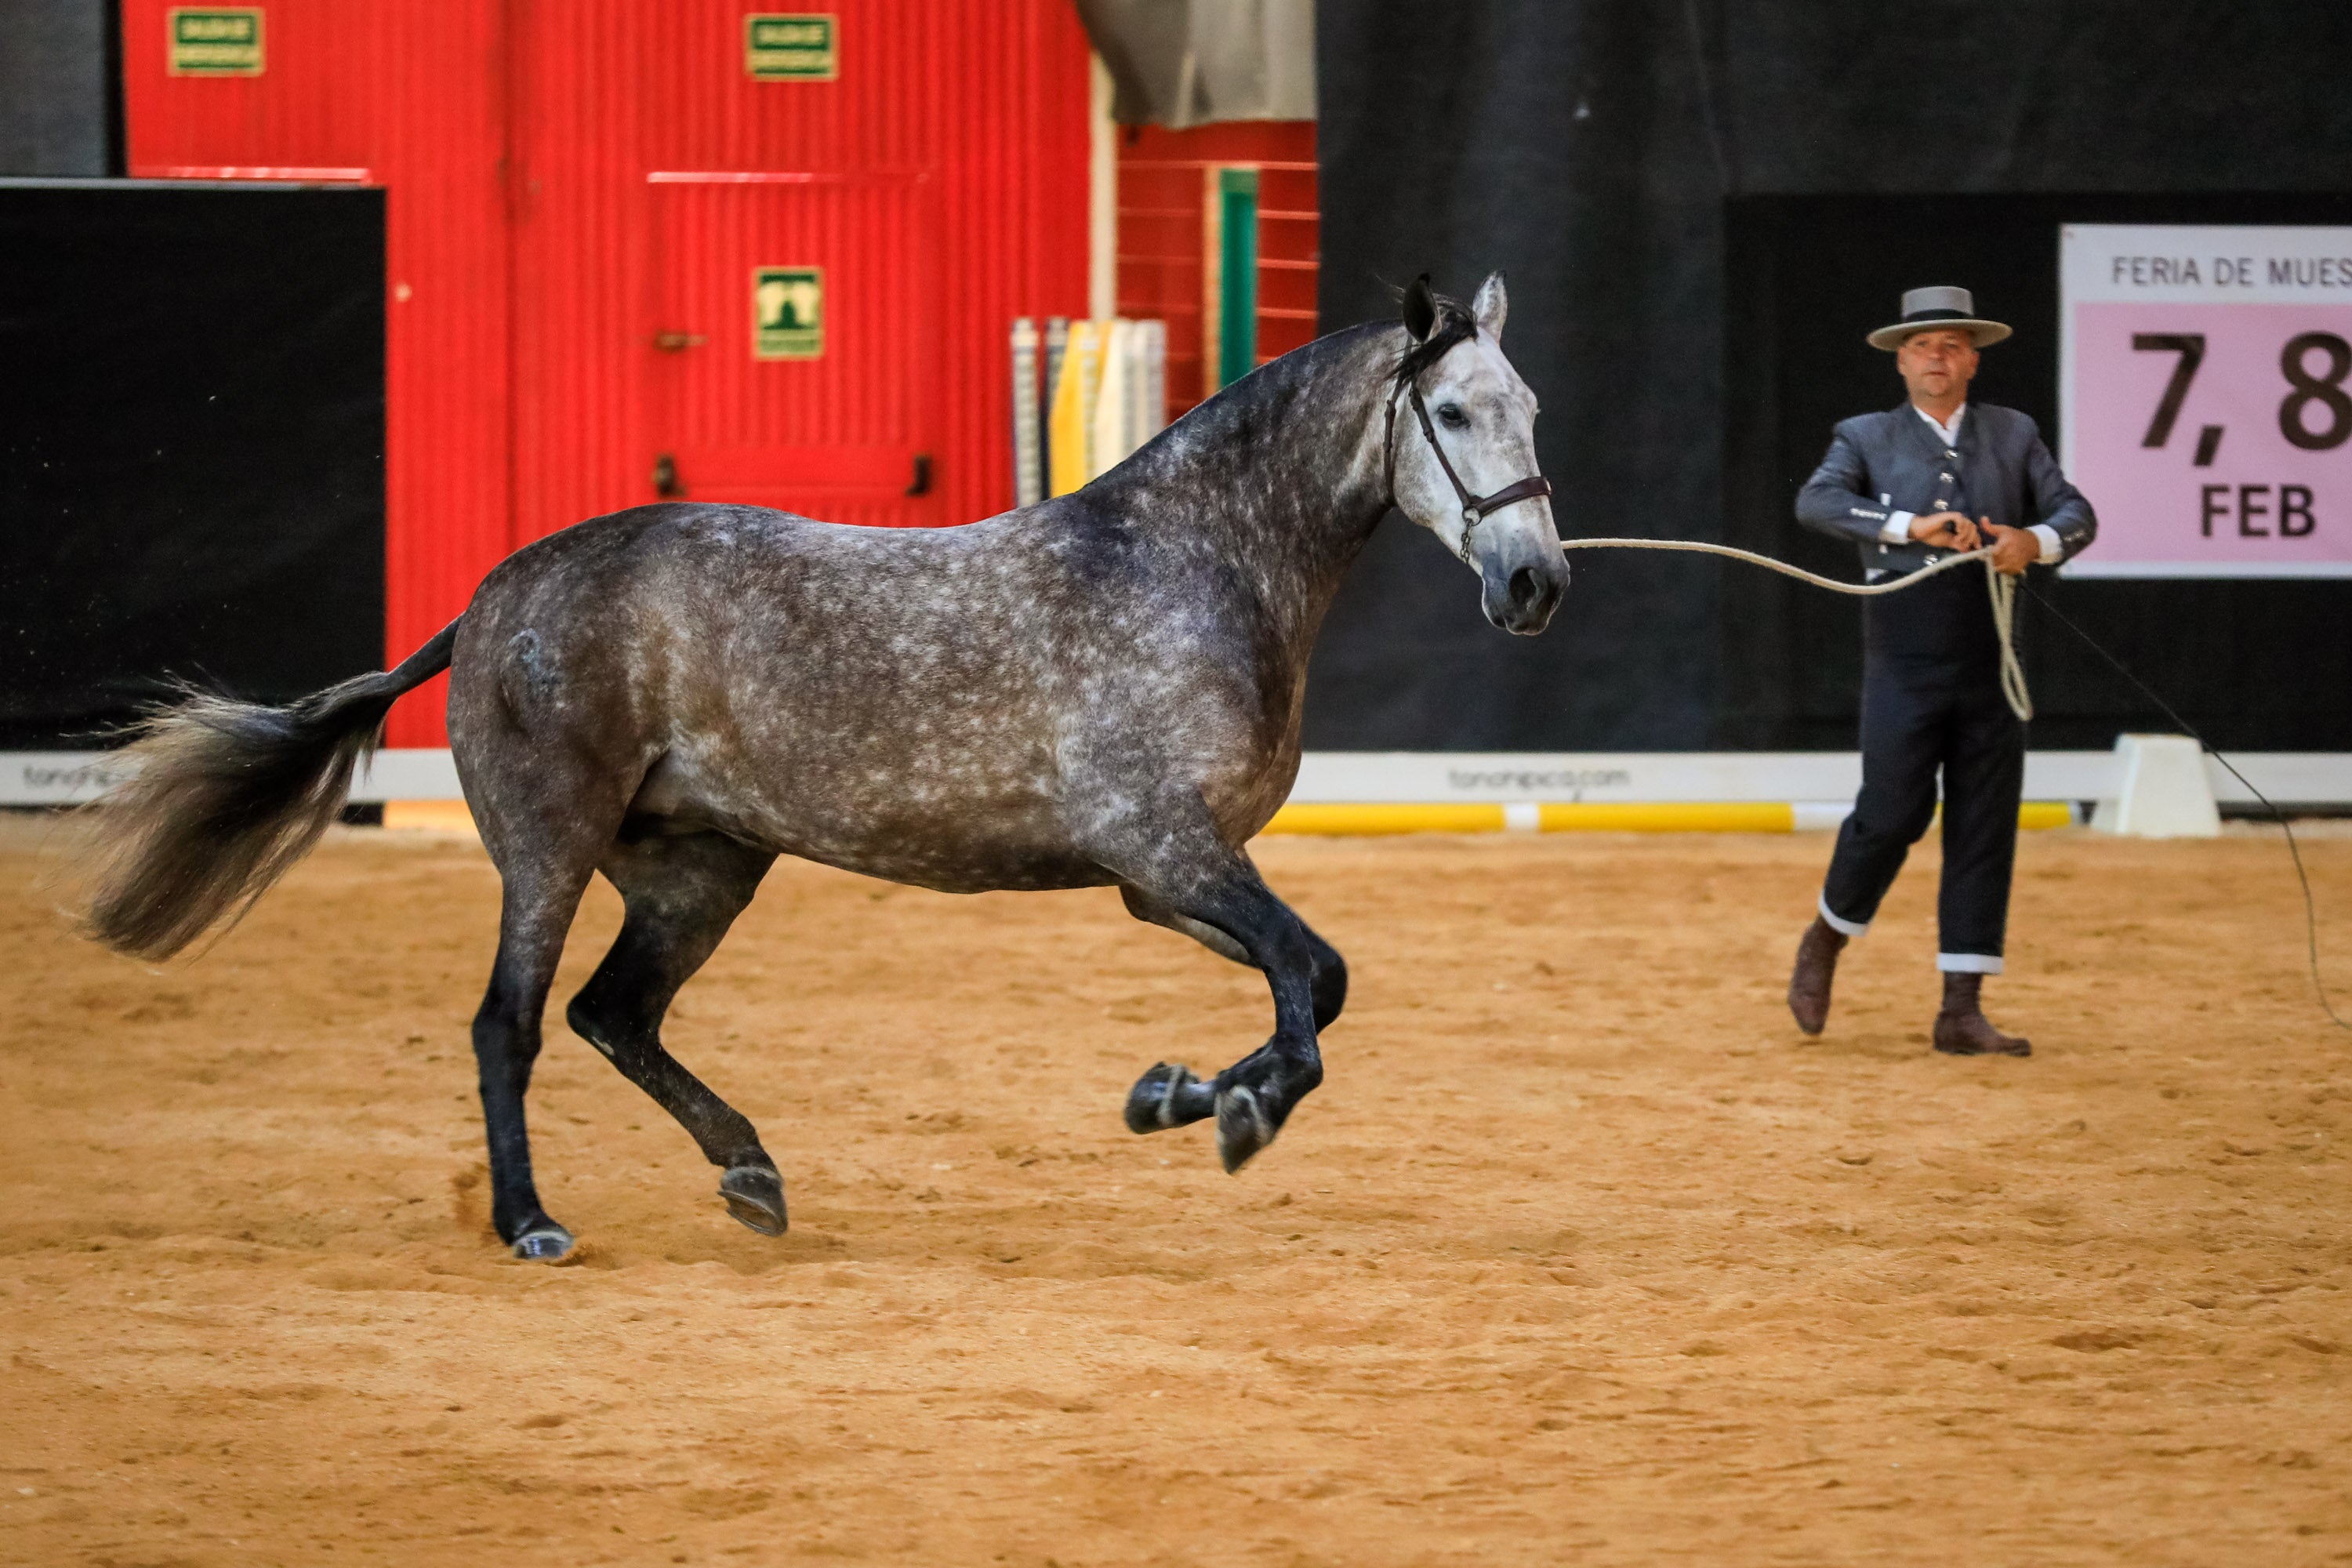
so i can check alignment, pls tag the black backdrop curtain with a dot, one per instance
(191, 446)
(1601, 153)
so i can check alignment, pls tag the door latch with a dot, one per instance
(666, 484)
(679, 342)
(922, 485)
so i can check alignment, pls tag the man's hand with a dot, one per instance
(1947, 529)
(2013, 549)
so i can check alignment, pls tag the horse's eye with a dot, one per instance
(1451, 412)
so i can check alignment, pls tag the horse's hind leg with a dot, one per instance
(1205, 882)
(535, 914)
(682, 892)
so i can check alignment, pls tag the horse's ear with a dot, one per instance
(1488, 306)
(1419, 310)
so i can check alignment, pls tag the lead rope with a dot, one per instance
(2003, 591)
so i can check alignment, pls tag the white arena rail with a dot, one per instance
(1818, 784)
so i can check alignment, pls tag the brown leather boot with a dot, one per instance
(1808, 984)
(1963, 1030)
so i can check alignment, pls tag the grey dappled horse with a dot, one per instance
(1101, 689)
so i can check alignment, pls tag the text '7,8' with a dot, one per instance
(2325, 389)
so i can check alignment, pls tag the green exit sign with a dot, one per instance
(780, 47)
(788, 312)
(213, 41)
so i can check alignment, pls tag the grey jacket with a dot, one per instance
(1879, 464)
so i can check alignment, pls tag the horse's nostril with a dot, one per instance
(1526, 589)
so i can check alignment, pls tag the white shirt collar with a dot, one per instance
(1950, 433)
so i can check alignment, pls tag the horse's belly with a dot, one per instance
(953, 857)
(993, 868)
(979, 835)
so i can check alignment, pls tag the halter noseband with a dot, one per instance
(1474, 509)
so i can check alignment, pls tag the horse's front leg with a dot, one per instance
(1198, 876)
(1330, 968)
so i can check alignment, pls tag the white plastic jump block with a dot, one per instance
(2161, 790)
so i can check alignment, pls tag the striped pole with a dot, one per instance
(1028, 458)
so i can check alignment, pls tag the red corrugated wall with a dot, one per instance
(1161, 183)
(941, 183)
(567, 179)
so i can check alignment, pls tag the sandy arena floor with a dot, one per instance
(1582, 1254)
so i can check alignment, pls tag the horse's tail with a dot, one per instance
(227, 795)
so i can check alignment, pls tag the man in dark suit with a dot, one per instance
(1934, 475)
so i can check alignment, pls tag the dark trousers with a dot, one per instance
(1920, 717)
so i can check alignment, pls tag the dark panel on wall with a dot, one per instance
(1589, 148)
(191, 446)
(59, 89)
(2262, 665)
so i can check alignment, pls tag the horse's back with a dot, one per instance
(882, 699)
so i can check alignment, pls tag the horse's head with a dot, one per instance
(1462, 450)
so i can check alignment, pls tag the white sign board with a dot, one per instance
(2205, 395)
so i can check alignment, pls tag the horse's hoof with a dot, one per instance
(1168, 1095)
(1243, 1126)
(547, 1243)
(755, 1195)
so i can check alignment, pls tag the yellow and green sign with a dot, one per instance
(790, 47)
(213, 41)
(787, 312)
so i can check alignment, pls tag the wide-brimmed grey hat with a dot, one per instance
(1953, 308)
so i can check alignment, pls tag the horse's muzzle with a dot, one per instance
(1522, 584)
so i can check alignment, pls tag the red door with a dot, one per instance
(792, 351)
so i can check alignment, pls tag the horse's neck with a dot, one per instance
(1287, 475)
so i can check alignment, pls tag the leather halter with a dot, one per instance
(1475, 508)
